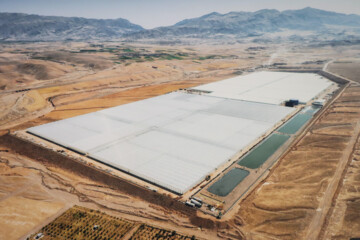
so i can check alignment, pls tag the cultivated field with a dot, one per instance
(83, 223)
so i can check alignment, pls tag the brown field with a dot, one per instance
(348, 68)
(84, 223)
(311, 193)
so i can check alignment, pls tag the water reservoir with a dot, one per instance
(297, 122)
(228, 182)
(262, 152)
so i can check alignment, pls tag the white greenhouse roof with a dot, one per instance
(269, 87)
(173, 140)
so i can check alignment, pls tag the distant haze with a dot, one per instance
(155, 13)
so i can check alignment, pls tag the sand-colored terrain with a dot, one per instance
(347, 67)
(344, 219)
(305, 195)
(20, 107)
(24, 204)
(17, 71)
(19, 215)
(50, 191)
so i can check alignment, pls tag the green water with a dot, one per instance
(228, 182)
(262, 152)
(294, 124)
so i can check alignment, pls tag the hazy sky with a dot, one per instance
(154, 13)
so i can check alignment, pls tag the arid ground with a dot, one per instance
(311, 193)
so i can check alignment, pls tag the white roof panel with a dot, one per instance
(174, 140)
(269, 87)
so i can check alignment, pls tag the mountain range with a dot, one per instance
(248, 24)
(17, 26)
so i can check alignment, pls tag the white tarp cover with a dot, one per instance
(269, 87)
(173, 140)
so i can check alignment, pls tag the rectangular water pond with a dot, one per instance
(294, 124)
(228, 182)
(262, 152)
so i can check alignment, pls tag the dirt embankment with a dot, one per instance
(51, 158)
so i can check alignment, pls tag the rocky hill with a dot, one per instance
(18, 26)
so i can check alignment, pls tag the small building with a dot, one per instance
(292, 103)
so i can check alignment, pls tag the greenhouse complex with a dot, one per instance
(176, 140)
